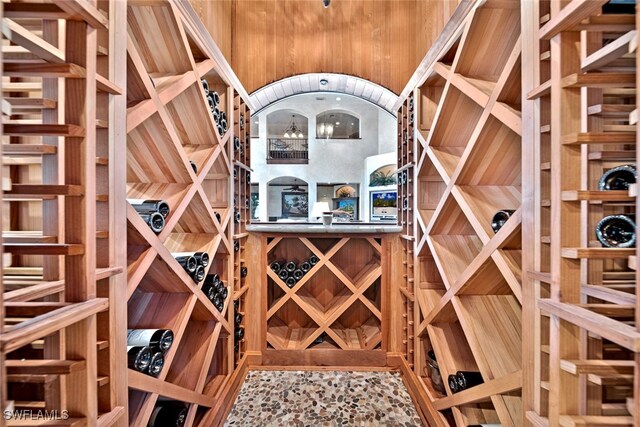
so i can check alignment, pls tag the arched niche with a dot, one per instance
(337, 124)
(384, 175)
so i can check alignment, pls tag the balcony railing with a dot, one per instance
(293, 151)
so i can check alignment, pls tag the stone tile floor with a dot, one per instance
(323, 398)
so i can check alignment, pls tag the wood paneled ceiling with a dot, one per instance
(377, 40)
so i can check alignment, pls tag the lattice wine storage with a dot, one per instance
(182, 118)
(336, 305)
(466, 280)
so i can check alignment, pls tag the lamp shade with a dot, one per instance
(319, 208)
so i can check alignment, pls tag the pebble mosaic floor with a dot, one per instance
(323, 398)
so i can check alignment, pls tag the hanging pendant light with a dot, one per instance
(293, 131)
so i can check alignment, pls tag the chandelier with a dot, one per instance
(293, 131)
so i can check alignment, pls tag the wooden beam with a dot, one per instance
(30, 330)
(43, 249)
(600, 138)
(570, 16)
(70, 71)
(480, 392)
(609, 52)
(34, 44)
(44, 366)
(620, 333)
(598, 367)
(43, 130)
(84, 10)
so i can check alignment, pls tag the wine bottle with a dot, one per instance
(236, 143)
(215, 113)
(158, 338)
(237, 217)
(216, 97)
(243, 271)
(246, 203)
(205, 85)
(313, 260)
(247, 178)
(150, 206)
(217, 301)
(156, 364)
(138, 357)
(218, 216)
(405, 177)
(454, 386)
(155, 221)
(188, 262)
(236, 246)
(224, 293)
(212, 105)
(201, 257)
(283, 274)
(209, 290)
(290, 266)
(405, 203)
(193, 166)
(468, 379)
(168, 413)
(617, 178)
(305, 266)
(241, 121)
(290, 282)
(432, 355)
(616, 231)
(213, 278)
(239, 334)
(500, 218)
(297, 274)
(198, 274)
(405, 137)
(411, 104)
(220, 130)
(319, 340)
(237, 318)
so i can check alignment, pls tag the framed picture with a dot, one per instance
(295, 205)
(347, 206)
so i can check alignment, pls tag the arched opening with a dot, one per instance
(287, 137)
(337, 124)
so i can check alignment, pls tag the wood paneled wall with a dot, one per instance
(217, 15)
(379, 40)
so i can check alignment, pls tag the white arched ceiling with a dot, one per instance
(337, 83)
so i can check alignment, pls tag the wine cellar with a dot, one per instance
(143, 285)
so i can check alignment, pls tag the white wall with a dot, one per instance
(339, 161)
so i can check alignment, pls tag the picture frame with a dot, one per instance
(295, 205)
(349, 205)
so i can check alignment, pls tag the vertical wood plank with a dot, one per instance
(118, 208)
(565, 220)
(530, 261)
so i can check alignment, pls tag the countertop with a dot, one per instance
(339, 227)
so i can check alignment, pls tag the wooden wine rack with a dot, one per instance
(406, 202)
(340, 299)
(242, 205)
(169, 124)
(62, 343)
(462, 292)
(581, 355)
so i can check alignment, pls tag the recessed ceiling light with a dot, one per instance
(337, 123)
(338, 99)
(351, 124)
(324, 82)
(256, 122)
